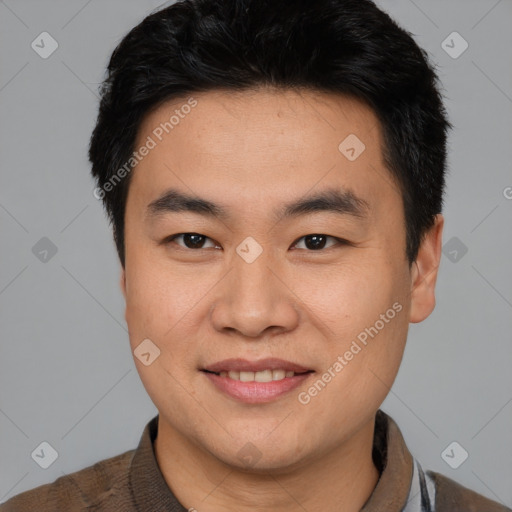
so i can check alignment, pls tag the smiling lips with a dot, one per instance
(261, 376)
(258, 381)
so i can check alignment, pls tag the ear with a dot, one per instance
(424, 272)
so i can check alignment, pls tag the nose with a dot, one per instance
(254, 300)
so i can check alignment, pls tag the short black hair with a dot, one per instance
(338, 46)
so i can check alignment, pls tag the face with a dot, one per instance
(265, 260)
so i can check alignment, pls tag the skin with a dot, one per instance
(251, 152)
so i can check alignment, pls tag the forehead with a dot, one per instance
(270, 116)
(265, 145)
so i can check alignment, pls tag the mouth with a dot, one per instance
(256, 381)
(267, 375)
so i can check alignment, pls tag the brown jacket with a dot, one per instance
(133, 482)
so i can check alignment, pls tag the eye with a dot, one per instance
(315, 242)
(190, 240)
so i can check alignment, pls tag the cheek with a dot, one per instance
(362, 311)
(167, 304)
(160, 307)
(352, 296)
(160, 297)
(360, 366)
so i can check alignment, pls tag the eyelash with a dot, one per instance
(340, 241)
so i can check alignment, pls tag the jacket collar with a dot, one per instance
(396, 466)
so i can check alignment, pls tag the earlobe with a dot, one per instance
(424, 272)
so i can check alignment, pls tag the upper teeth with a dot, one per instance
(262, 376)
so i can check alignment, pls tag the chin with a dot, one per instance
(255, 461)
(261, 453)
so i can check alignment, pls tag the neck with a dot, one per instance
(342, 479)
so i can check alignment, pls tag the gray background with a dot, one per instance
(66, 373)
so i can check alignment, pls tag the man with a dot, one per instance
(274, 174)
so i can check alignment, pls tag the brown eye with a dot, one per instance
(191, 240)
(316, 242)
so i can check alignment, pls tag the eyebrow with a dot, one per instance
(342, 202)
